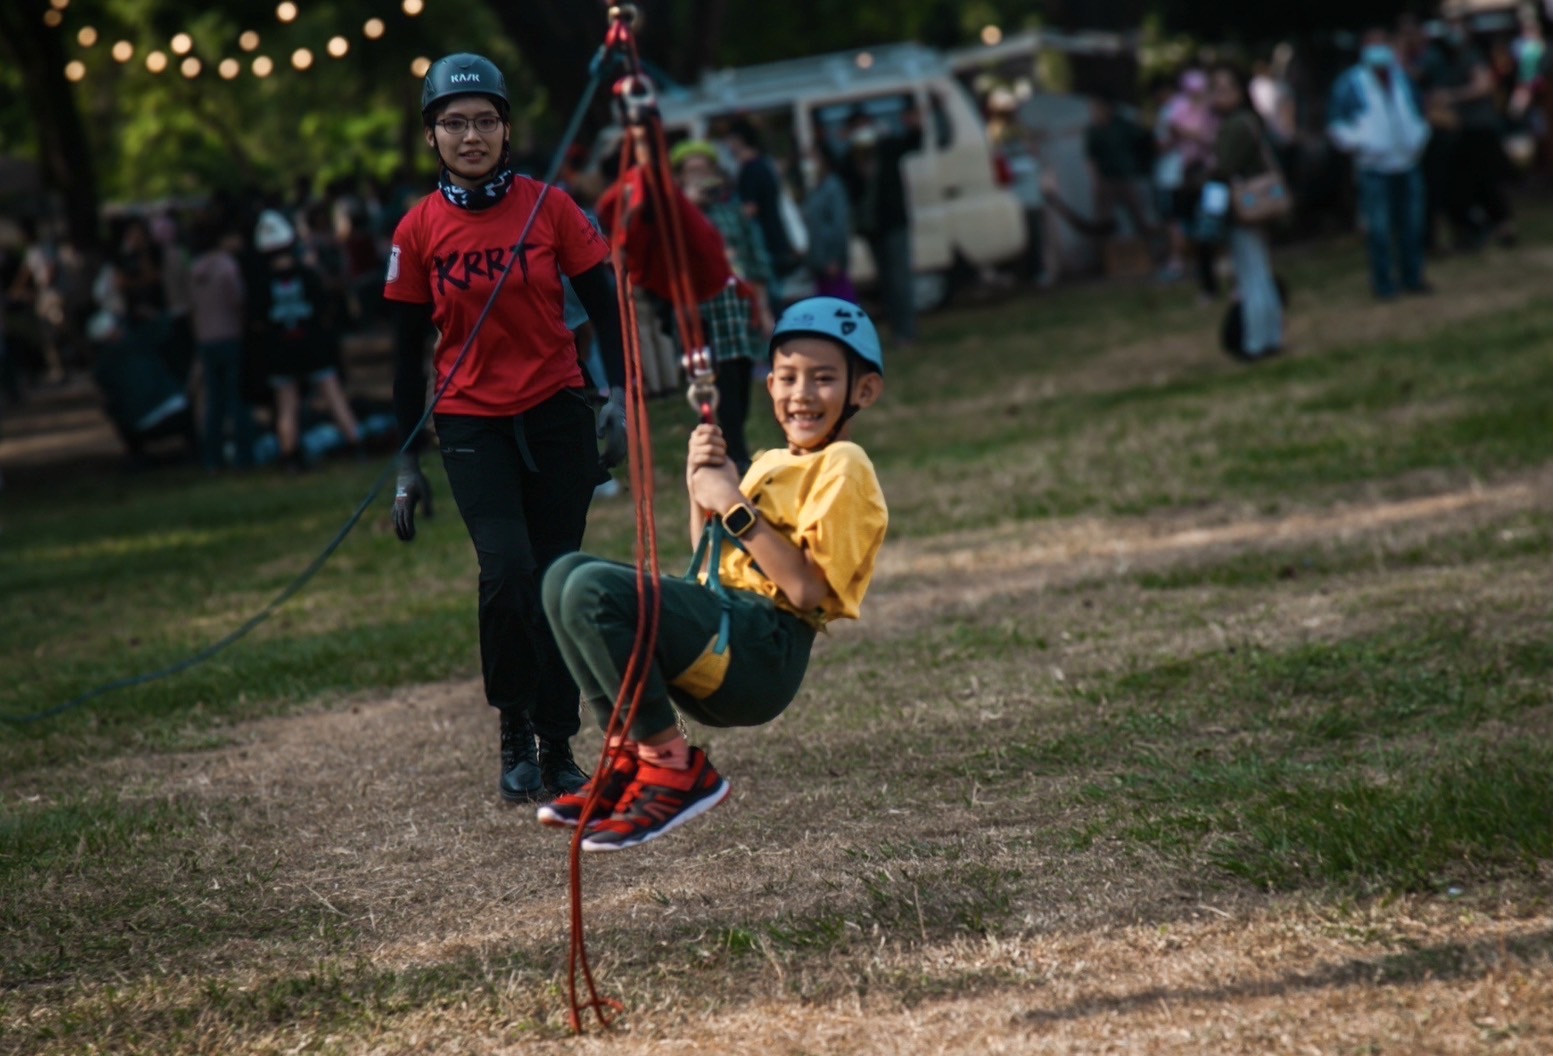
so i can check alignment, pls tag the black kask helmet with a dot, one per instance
(463, 74)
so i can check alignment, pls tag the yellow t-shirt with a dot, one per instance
(827, 502)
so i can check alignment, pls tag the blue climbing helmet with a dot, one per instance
(831, 317)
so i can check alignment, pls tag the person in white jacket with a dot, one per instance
(1377, 117)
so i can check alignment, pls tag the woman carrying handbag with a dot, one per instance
(1250, 188)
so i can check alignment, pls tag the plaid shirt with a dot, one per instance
(728, 320)
(729, 326)
(746, 245)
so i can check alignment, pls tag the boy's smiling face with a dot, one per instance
(808, 387)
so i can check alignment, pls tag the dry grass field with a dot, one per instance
(1196, 709)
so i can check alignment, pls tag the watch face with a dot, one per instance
(739, 520)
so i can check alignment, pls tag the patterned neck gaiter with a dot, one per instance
(493, 190)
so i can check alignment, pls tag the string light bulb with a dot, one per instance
(191, 67)
(420, 66)
(413, 7)
(75, 70)
(248, 40)
(59, 5)
(302, 58)
(286, 11)
(229, 69)
(123, 51)
(87, 37)
(182, 44)
(156, 61)
(373, 29)
(991, 35)
(263, 66)
(338, 46)
(52, 18)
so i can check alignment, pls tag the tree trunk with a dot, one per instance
(38, 52)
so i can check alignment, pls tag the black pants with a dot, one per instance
(523, 486)
(1465, 171)
(1482, 168)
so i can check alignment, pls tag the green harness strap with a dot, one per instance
(711, 545)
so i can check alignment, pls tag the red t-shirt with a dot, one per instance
(450, 258)
(647, 241)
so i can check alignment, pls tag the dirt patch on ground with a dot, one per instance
(918, 579)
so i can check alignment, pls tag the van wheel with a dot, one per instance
(929, 290)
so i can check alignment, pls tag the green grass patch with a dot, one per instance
(1317, 427)
(1418, 824)
(71, 833)
(95, 885)
(1377, 763)
(1522, 536)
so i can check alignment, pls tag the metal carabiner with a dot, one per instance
(703, 396)
(638, 102)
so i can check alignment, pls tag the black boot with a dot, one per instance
(520, 778)
(559, 771)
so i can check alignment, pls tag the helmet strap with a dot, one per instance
(847, 411)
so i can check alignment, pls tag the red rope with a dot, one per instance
(658, 184)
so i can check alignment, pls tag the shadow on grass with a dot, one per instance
(1450, 961)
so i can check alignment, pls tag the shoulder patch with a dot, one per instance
(393, 265)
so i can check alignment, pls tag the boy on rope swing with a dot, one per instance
(806, 524)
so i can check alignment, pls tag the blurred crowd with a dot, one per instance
(1414, 141)
(211, 323)
(221, 323)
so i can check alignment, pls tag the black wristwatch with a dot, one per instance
(739, 519)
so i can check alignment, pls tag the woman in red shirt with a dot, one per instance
(516, 428)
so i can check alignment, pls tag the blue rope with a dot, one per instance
(599, 68)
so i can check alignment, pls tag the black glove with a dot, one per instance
(410, 489)
(612, 430)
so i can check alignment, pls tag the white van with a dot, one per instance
(959, 212)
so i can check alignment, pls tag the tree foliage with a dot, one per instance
(165, 134)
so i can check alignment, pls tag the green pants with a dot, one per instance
(592, 607)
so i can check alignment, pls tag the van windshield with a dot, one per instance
(886, 114)
(834, 122)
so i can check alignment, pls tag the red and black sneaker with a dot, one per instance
(564, 812)
(658, 801)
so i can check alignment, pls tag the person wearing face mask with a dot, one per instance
(827, 213)
(516, 428)
(737, 320)
(881, 208)
(1377, 117)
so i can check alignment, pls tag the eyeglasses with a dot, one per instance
(485, 124)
